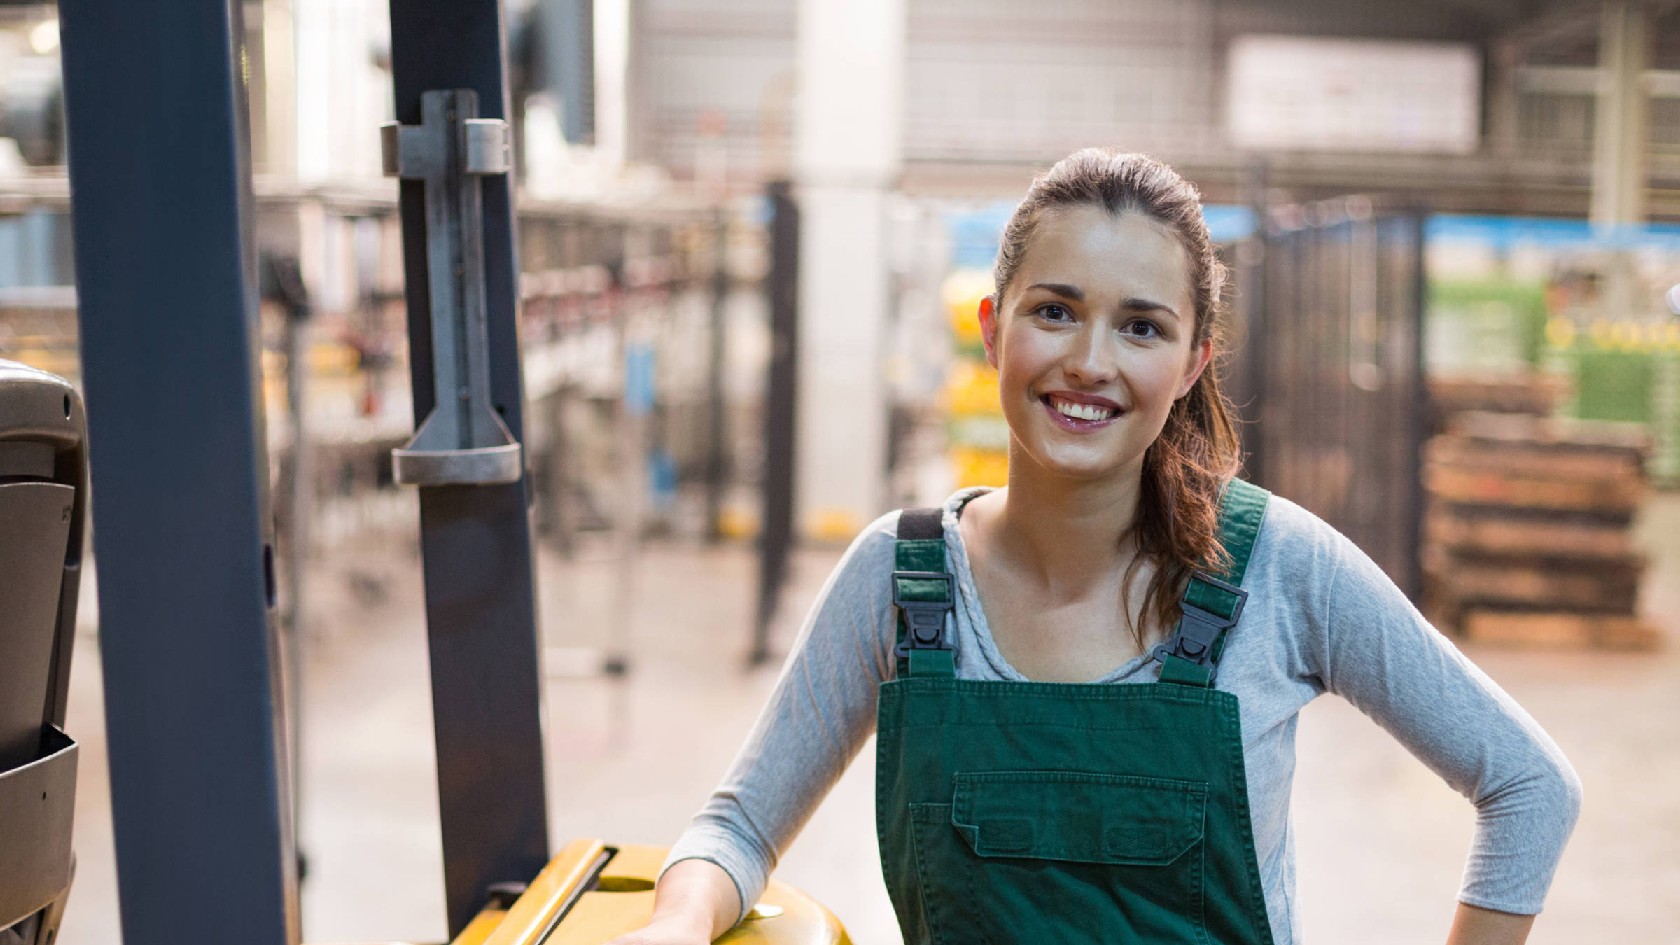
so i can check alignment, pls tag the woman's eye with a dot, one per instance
(1053, 312)
(1141, 328)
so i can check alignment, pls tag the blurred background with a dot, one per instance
(752, 235)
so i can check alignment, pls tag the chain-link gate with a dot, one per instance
(1332, 369)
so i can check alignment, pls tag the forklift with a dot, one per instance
(157, 124)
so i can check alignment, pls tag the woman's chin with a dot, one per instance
(1080, 467)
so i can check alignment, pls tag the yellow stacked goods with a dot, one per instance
(977, 437)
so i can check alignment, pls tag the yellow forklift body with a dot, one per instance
(591, 893)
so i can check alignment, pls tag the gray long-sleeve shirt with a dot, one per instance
(1321, 617)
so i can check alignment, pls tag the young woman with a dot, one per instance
(1085, 685)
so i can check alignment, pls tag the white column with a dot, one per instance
(279, 80)
(342, 96)
(1619, 141)
(613, 20)
(1619, 135)
(846, 159)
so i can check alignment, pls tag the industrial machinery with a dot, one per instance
(43, 493)
(166, 282)
(591, 893)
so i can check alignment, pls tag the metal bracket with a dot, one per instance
(1198, 630)
(462, 441)
(926, 618)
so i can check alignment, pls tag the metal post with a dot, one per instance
(635, 356)
(475, 539)
(1504, 105)
(780, 417)
(297, 482)
(1247, 380)
(1412, 235)
(717, 421)
(166, 278)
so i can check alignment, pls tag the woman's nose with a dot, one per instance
(1093, 360)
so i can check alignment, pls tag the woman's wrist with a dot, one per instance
(696, 897)
(681, 926)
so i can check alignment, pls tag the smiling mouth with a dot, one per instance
(1085, 413)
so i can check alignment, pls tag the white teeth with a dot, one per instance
(1081, 411)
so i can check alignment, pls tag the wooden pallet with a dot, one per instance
(1466, 533)
(1561, 630)
(1528, 537)
(1607, 586)
(1535, 394)
(1579, 436)
(1520, 489)
(1535, 460)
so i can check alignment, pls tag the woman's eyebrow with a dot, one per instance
(1139, 304)
(1132, 304)
(1062, 289)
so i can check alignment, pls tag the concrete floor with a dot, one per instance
(1381, 841)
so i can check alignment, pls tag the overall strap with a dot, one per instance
(923, 592)
(1212, 604)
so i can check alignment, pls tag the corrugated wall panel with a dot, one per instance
(732, 58)
(996, 80)
(986, 80)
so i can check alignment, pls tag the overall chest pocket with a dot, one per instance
(1063, 857)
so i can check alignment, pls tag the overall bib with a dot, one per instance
(1067, 814)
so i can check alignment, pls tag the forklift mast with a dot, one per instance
(195, 706)
(166, 291)
(162, 213)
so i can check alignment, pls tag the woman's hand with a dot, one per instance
(658, 933)
(694, 903)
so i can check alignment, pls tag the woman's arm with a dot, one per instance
(1376, 650)
(1473, 926)
(820, 713)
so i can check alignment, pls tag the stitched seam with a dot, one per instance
(1081, 692)
(928, 901)
(1258, 913)
(1045, 723)
(880, 782)
(1329, 596)
(1199, 890)
(965, 779)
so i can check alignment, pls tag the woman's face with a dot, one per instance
(1094, 340)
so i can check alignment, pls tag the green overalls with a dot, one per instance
(1050, 813)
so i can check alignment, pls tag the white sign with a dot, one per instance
(1303, 93)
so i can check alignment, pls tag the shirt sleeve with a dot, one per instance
(819, 714)
(1379, 653)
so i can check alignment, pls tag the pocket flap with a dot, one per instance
(1078, 816)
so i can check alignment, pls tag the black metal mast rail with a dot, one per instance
(155, 106)
(475, 539)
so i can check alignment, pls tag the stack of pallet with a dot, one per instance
(1535, 395)
(1528, 536)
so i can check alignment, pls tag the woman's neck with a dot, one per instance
(1068, 534)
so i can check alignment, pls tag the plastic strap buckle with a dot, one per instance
(924, 619)
(1200, 629)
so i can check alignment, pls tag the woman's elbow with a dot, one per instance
(1571, 790)
(1559, 792)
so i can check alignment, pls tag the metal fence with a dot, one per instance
(1334, 360)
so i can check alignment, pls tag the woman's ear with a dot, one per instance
(1200, 356)
(988, 328)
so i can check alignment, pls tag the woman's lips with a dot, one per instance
(1076, 424)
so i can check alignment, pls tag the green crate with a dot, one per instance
(1478, 327)
(1631, 385)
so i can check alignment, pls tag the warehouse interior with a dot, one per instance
(738, 248)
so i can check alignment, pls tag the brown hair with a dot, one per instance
(1186, 468)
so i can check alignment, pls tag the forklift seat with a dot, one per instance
(43, 495)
